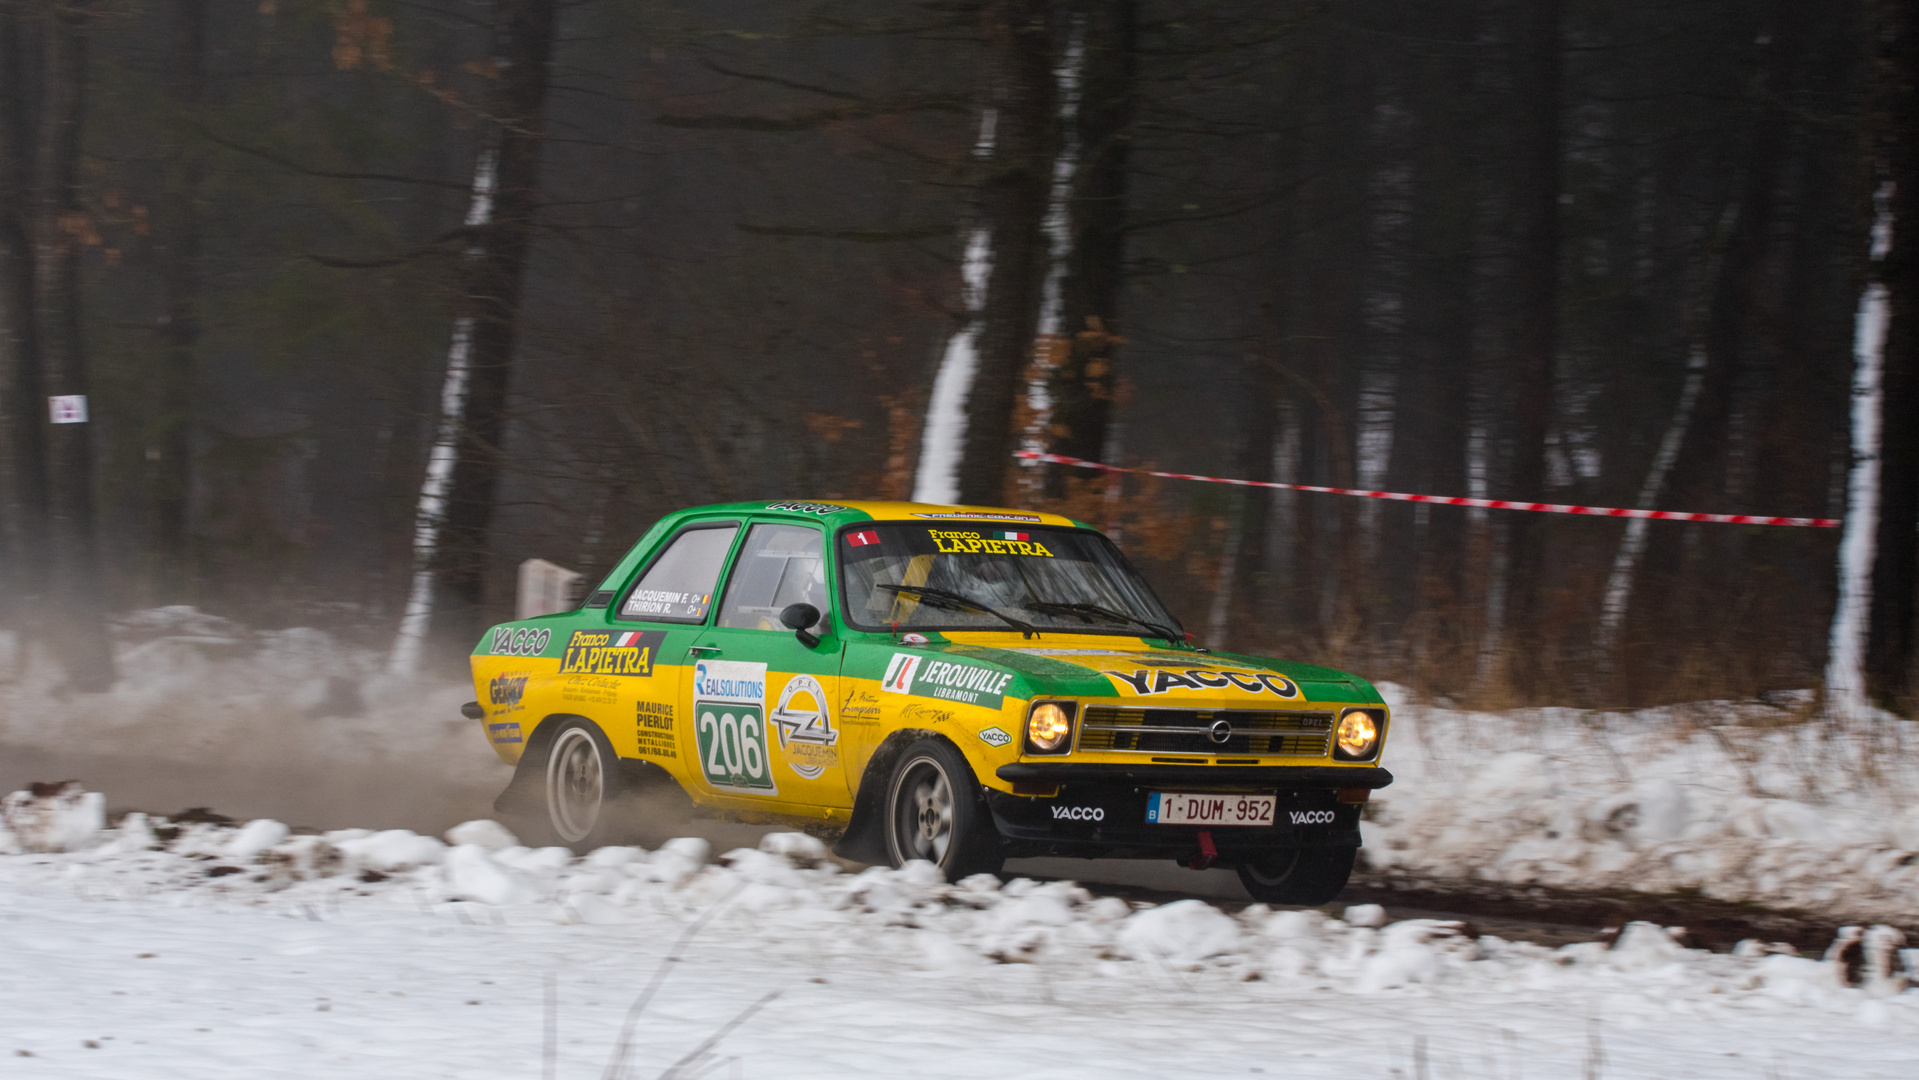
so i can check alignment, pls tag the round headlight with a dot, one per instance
(1358, 733)
(1048, 727)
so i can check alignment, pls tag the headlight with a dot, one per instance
(1049, 728)
(1358, 736)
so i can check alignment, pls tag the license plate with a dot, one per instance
(1175, 808)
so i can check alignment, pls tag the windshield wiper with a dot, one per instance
(955, 601)
(1095, 609)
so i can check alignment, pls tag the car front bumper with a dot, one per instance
(1100, 809)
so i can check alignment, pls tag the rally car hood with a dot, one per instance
(1140, 673)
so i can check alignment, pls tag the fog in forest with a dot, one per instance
(365, 303)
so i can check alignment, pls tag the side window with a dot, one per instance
(778, 565)
(678, 587)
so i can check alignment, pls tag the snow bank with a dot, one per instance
(787, 886)
(1738, 802)
(51, 817)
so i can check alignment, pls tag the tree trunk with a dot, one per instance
(1082, 386)
(1425, 548)
(1535, 340)
(22, 436)
(179, 263)
(1012, 210)
(1702, 473)
(457, 555)
(60, 230)
(1894, 125)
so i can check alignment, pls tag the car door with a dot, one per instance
(632, 675)
(761, 699)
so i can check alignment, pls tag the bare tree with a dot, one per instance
(457, 498)
(60, 229)
(1536, 93)
(1012, 199)
(22, 453)
(179, 330)
(1083, 385)
(1894, 127)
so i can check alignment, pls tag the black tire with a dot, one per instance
(579, 786)
(933, 811)
(1303, 876)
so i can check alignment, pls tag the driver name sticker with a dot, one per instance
(967, 684)
(962, 542)
(729, 726)
(1156, 682)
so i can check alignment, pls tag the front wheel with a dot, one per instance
(1304, 876)
(934, 813)
(582, 783)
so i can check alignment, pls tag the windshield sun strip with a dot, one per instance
(1118, 564)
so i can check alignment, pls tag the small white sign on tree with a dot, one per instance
(67, 409)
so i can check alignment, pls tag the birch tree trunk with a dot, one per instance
(430, 515)
(1846, 653)
(943, 435)
(60, 229)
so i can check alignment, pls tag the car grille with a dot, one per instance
(1190, 731)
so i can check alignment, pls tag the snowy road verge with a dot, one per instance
(1736, 802)
(159, 949)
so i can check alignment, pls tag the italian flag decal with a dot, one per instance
(1011, 536)
(861, 539)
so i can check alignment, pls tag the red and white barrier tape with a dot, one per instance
(1036, 457)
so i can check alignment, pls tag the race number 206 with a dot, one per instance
(732, 742)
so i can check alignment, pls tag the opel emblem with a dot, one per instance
(1221, 731)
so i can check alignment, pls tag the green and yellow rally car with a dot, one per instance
(950, 683)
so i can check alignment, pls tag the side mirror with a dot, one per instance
(797, 618)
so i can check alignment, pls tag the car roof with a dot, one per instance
(838, 512)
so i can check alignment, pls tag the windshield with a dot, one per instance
(957, 576)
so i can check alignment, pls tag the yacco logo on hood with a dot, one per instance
(1151, 683)
(967, 684)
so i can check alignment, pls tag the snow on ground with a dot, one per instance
(166, 950)
(1742, 802)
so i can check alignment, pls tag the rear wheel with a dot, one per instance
(1304, 876)
(582, 783)
(934, 813)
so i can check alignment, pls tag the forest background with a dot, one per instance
(569, 266)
